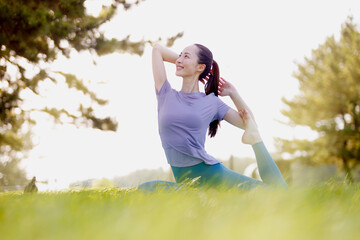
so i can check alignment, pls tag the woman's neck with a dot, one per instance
(190, 84)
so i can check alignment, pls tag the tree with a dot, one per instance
(32, 35)
(329, 102)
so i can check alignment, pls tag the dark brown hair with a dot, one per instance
(211, 70)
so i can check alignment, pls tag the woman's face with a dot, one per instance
(187, 63)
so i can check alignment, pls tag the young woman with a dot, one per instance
(184, 117)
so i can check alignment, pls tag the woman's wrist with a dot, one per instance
(166, 54)
(234, 94)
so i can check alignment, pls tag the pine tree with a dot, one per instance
(329, 103)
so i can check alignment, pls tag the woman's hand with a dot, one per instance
(225, 88)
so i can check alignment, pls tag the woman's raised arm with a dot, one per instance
(227, 89)
(159, 55)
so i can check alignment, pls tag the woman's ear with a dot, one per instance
(201, 68)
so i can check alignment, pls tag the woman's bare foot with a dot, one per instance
(251, 134)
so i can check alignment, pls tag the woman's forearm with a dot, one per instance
(166, 54)
(240, 103)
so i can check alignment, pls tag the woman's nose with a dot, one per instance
(178, 60)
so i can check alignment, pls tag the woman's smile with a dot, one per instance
(178, 67)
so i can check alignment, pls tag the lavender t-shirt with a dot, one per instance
(183, 122)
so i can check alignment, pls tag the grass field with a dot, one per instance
(328, 211)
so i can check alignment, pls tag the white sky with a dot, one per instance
(255, 44)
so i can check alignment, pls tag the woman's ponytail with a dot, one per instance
(212, 84)
(211, 74)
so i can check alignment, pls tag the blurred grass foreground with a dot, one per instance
(326, 211)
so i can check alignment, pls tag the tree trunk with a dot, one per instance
(349, 178)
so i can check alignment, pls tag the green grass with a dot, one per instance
(329, 211)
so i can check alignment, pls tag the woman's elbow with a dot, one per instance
(156, 47)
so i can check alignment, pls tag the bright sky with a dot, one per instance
(256, 44)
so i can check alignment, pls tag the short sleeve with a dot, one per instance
(222, 109)
(164, 88)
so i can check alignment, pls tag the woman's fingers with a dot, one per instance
(223, 87)
(243, 112)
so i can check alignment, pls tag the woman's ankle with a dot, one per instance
(251, 137)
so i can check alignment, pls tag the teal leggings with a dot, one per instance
(219, 176)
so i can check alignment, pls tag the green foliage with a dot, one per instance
(32, 35)
(329, 211)
(329, 102)
(11, 174)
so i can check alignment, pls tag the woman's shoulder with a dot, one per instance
(214, 99)
(164, 88)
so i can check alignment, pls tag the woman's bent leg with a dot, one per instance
(268, 170)
(230, 179)
(217, 176)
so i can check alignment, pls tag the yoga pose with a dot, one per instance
(184, 117)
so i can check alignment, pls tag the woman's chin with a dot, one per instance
(178, 74)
